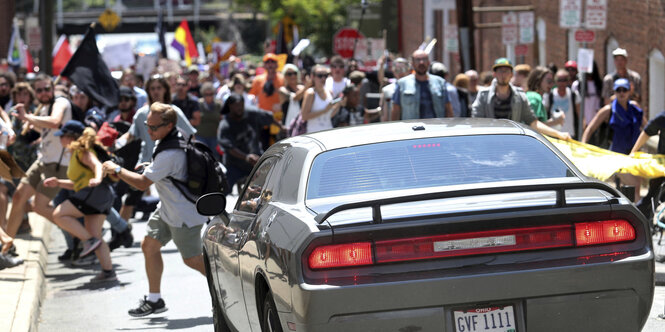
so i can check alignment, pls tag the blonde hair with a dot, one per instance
(166, 113)
(461, 81)
(85, 142)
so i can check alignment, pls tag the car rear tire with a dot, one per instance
(217, 315)
(270, 318)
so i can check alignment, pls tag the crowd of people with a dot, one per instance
(85, 163)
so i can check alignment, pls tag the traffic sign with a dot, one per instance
(526, 27)
(521, 49)
(344, 41)
(570, 13)
(509, 29)
(596, 14)
(585, 36)
(109, 20)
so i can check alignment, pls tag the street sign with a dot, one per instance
(585, 60)
(570, 13)
(585, 36)
(109, 20)
(596, 14)
(344, 41)
(526, 27)
(521, 49)
(452, 41)
(509, 29)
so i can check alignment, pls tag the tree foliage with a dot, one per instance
(317, 20)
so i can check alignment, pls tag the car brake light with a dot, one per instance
(341, 255)
(474, 243)
(471, 243)
(599, 232)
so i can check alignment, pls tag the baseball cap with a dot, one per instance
(621, 83)
(270, 57)
(502, 62)
(126, 92)
(570, 64)
(71, 127)
(620, 51)
(193, 69)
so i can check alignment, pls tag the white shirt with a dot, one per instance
(50, 149)
(321, 122)
(336, 88)
(565, 104)
(173, 207)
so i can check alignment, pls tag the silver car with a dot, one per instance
(434, 225)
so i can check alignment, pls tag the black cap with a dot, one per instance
(72, 128)
(127, 92)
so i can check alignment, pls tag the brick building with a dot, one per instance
(636, 25)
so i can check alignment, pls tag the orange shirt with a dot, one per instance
(266, 102)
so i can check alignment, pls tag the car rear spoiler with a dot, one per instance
(560, 189)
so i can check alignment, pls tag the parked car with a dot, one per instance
(428, 225)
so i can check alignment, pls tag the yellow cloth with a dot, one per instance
(79, 173)
(601, 164)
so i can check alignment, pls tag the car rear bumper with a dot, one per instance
(594, 297)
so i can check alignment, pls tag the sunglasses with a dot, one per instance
(40, 90)
(154, 128)
(562, 80)
(621, 90)
(337, 67)
(4, 85)
(123, 99)
(321, 75)
(181, 84)
(291, 73)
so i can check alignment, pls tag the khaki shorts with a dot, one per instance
(186, 239)
(39, 171)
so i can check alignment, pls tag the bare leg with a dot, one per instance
(94, 223)
(154, 265)
(196, 263)
(65, 216)
(21, 196)
(4, 202)
(126, 211)
(43, 206)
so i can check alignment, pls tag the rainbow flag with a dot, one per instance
(184, 43)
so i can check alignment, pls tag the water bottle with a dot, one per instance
(556, 114)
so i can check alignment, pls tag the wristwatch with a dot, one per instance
(117, 170)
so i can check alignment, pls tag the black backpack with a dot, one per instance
(204, 173)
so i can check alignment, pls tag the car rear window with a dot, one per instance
(432, 162)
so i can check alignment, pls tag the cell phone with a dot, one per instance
(336, 100)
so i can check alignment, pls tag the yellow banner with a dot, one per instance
(601, 164)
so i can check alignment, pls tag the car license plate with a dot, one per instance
(492, 319)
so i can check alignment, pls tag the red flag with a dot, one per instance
(29, 63)
(61, 55)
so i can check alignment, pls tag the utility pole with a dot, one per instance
(465, 32)
(46, 22)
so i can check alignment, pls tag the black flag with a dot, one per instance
(89, 72)
(160, 32)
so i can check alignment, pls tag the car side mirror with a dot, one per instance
(211, 204)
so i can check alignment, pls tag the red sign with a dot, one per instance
(521, 49)
(585, 36)
(344, 41)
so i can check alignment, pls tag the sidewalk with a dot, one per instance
(23, 287)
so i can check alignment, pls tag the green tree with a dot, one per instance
(317, 20)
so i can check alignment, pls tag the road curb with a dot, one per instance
(28, 281)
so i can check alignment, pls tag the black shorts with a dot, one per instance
(94, 200)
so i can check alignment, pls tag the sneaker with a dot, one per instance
(66, 256)
(104, 276)
(125, 239)
(90, 246)
(146, 308)
(85, 261)
(9, 261)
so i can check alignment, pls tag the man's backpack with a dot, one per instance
(204, 173)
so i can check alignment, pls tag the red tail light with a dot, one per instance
(599, 232)
(341, 255)
(471, 243)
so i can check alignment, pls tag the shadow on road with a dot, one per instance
(171, 324)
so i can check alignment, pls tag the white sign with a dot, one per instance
(596, 14)
(526, 27)
(452, 43)
(369, 49)
(509, 29)
(33, 34)
(585, 60)
(570, 13)
(119, 55)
